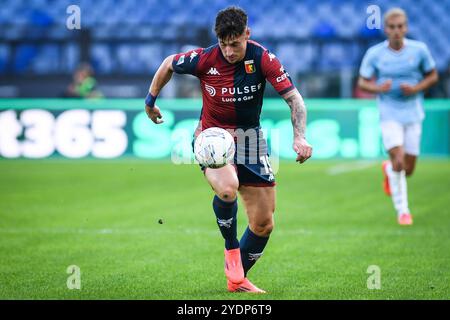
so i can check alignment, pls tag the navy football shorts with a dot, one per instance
(251, 161)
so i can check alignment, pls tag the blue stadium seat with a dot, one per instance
(101, 59)
(47, 60)
(4, 57)
(23, 57)
(289, 20)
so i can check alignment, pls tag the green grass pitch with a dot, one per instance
(330, 226)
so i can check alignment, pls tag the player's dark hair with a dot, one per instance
(230, 23)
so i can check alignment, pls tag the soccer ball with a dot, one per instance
(214, 148)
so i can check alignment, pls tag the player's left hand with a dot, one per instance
(303, 149)
(408, 90)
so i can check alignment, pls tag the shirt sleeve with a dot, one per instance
(427, 61)
(186, 63)
(275, 73)
(367, 69)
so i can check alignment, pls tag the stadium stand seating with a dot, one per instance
(307, 35)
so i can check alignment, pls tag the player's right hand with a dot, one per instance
(154, 114)
(385, 86)
(303, 149)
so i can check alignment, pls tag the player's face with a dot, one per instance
(233, 49)
(396, 28)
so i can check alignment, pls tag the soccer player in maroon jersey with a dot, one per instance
(233, 75)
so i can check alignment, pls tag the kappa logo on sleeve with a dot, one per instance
(193, 55)
(271, 56)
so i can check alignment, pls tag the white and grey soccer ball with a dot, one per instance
(214, 148)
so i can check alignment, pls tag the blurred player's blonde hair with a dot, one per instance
(394, 12)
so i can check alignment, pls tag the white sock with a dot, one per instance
(399, 189)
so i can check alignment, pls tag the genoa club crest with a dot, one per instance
(249, 66)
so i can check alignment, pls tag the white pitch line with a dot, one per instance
(350, 167)
(131, 231)
(87, 231)
(212, 232)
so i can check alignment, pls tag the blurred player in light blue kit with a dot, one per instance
(403, 68)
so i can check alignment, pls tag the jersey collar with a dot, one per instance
(405, 43)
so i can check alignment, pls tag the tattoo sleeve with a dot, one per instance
(298, 114)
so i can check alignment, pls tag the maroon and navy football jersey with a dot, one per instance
(233, 93)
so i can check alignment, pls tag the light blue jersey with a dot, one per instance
(404, 66)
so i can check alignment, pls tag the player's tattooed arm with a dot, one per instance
(298, 118)
(298, 113)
